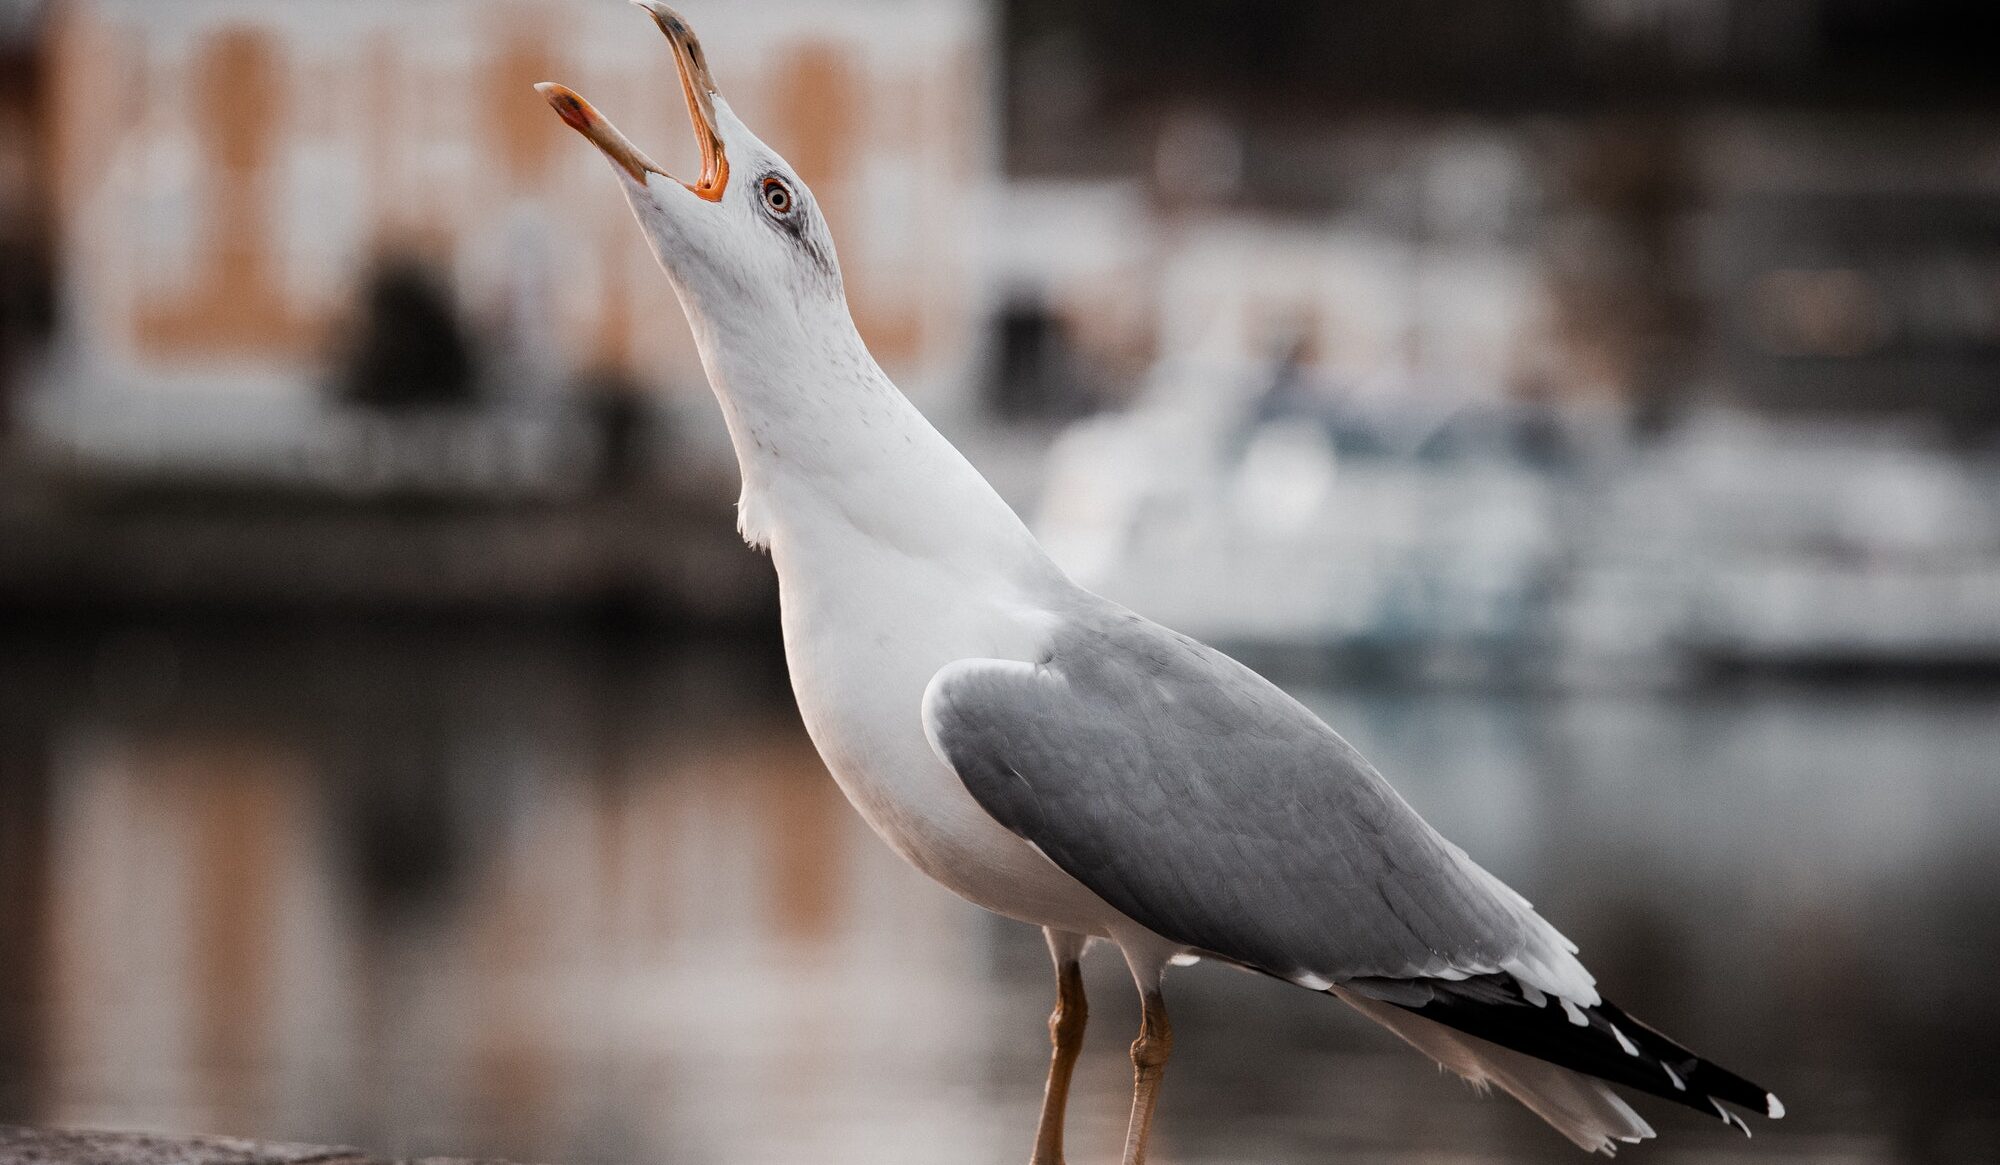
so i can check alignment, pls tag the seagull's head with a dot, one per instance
(744, 239)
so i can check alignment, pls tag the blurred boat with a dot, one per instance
(1258, 508)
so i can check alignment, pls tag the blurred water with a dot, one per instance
(559, 893)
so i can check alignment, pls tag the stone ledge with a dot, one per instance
(25, 1146)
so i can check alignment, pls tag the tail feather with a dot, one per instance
(1592, 1116)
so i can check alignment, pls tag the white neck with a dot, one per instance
(825, 440)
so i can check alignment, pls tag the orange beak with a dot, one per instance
(582, 116)
(697, 87)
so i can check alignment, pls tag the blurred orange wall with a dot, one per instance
(228, 169)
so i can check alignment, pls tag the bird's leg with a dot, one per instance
(1149, 1064)
(1066, 1033)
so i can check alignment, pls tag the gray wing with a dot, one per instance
(1218, 812)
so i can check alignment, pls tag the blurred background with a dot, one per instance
(1592, 407)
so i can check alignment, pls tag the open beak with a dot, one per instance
(696, 86)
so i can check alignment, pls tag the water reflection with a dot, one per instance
(555, 893)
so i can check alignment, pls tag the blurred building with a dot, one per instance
(345, 245)
(1647, 202)
(1370, 276)
(228, 175)
(1792, 207)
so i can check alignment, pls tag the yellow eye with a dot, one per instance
(778, 196)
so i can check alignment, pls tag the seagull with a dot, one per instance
(1058, 759)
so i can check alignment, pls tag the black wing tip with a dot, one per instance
(1600, 1041)
(1701, 1077)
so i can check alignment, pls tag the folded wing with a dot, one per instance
(1215, 810)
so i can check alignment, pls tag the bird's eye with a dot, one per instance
(778, 196)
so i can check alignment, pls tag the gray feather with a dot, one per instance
(1215, 810)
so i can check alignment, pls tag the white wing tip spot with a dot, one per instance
(1728, 1118)
(1575, 1014)
(1624, 1043)
(1311, 982)
(1679, 1084)
(1773, 1107)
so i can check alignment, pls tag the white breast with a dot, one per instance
(865, 630)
